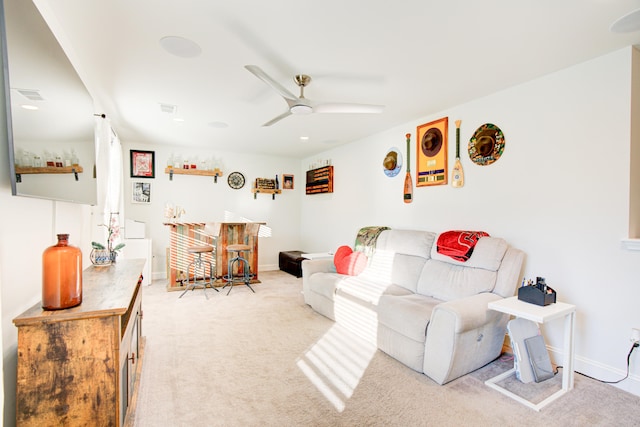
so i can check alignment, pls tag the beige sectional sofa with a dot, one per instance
(425, 309)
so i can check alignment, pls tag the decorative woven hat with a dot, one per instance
(486, 145)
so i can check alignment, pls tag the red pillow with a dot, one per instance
(349, 262)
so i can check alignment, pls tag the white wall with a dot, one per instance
(27, 228)
(206, 201)
(560, 192)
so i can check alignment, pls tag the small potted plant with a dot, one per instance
(101, 255)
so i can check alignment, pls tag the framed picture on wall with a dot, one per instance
(432, 147)
(287, 182)
(141, 192)
(142, 164)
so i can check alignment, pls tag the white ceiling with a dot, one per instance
(416, 57)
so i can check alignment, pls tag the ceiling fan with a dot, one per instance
(302, 105)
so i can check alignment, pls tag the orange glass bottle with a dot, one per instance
(61, 275)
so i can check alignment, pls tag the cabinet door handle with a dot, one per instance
(133, 358)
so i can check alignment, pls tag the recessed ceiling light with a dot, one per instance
(627, 23)
(179, 46)
(304, 138)
(29, 107)
(219, 125)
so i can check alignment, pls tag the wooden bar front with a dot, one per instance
(217, 234)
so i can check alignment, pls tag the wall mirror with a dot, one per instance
(49, 111)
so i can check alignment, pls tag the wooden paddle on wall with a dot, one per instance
(457, 176)
(408, 183)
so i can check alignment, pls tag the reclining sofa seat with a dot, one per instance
(425, 309)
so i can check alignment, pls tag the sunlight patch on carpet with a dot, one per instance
(336, 363)
(357, 318)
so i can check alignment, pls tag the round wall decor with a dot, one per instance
(486, 145)
(392, 162)
(235, 180)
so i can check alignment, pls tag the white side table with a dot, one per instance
(318, 255)
(540, 314)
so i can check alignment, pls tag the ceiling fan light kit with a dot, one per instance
(301, 109)
(299, 105)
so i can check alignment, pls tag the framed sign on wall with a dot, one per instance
(141, 192)
(287, 182)
(142, 164)
(432, 147)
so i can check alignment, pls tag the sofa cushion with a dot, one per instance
(395, 290)
(487, 254)
(368, 291)
(406, 270)
(399, 257)
(445, 281)
(409, 242)
(406, 314)
(445, 278)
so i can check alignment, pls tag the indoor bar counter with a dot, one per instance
(216, 234)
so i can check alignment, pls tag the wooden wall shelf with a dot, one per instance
(273, 192)
(49, 169)
(200, 172)
(27, 170)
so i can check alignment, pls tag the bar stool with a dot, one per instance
(199, 263)
(239, 262)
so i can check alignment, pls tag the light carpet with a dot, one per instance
(267, 359)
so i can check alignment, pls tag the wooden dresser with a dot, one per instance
(81, 366)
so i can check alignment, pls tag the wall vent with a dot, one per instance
(31, 94)
(168, 108)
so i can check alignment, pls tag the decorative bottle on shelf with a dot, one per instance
(61, 275)
(277, 183)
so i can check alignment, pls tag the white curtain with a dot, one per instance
(109, 169)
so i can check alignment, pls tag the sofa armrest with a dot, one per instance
(323, 265)
(466, 314)
(311, 266)
(463, 335)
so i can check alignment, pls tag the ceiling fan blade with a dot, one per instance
(277, 119)
(284, 92)
(348, 108)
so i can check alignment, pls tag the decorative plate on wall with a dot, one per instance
(235, 180)
(486, 145)
(392, 162)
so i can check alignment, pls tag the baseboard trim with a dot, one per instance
(268, 267)
(162, 275)
(600, 371)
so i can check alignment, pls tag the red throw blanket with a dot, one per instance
(459, 244)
